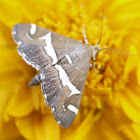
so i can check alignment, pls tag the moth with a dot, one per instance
(63, 64)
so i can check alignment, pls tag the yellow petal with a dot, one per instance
(108, 132)
(9, 132)
(36, 95)
(132, 61)
(7, 90)
(130, 130)
(20, 104)
(86, 125)
(138, 73)
(9, 14)
(136, 130)
(5, 36)
(7, 65)
(129, 106)
(39, 127)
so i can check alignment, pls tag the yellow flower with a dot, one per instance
(110, 108)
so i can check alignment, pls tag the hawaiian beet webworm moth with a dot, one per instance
(63, 64)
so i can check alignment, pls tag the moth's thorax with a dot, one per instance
(83, 51)
(95, 50)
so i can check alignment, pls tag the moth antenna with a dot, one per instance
(101, 29)
(117, 51)
(96, 48)
(101, 38)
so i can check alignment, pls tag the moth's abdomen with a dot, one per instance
(38, 78)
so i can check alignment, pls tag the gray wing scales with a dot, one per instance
(35, 56)
(52, 86)
(63, 88)
(32, 34)
(28, 34)
(66, 110)
(40, 47)
(64, 64)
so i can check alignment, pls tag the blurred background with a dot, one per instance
(110, 106)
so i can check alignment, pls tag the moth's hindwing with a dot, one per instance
(62, 88)
(64, 64)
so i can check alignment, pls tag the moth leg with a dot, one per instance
(37, 79)
(94, 59)
(84, 34)
(95, 50)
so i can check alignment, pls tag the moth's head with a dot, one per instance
(95, 49)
